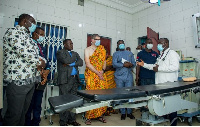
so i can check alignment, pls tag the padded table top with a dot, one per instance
(63, 102)
(168, 87)
(112, 94)
(136, 91)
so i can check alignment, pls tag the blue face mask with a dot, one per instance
(160, 47)
(98, 42)
(121, 46)
(40, 39)
(32, 27)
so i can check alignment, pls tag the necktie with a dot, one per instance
(41, 53)
(70, 53)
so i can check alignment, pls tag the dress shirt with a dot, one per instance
(20, 56)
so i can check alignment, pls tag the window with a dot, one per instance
(196, 25)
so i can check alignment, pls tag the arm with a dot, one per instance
(137, 74)
(147, 66)
(63, 58)
(173, 63)
(45, 52)
(79, 61)
(116, 64)
(104, 65)
(88, 64)
(133, 61)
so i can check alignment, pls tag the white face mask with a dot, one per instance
(149, 46)
(139, 51)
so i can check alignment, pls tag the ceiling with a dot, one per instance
(131, 2)
(129, 6)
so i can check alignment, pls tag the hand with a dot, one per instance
(127, 64)
(45, 73)
(100, 74)
(43, 81)
(44, 76)
(140, 63)
(42, 65)
(65, 65)
(156, 68)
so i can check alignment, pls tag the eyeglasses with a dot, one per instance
(97, 39)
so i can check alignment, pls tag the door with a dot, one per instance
(105, 41)
(154, 37)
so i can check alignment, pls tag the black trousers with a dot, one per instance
(18, 101)
(35, 109)
(68, 88)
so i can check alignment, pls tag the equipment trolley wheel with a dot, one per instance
(190, 121)
(51, 122)
(45, 116)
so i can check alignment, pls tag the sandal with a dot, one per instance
(88, 122)
(101, 119)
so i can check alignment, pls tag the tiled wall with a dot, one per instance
(95, 18)
(172, 20)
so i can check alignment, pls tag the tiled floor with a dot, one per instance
(113, 120)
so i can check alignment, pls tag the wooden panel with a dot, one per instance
(154, 37)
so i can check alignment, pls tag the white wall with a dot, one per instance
(172, 20)
(96, 18)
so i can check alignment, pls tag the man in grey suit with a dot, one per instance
(68, 77)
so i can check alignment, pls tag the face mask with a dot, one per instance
(32, 27)
(149, 46)
(40, 39)
(98, 42)
(160, 48)
(139, 51)
(121, 46)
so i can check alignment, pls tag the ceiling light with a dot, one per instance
(153, 1)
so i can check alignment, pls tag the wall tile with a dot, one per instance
(8, 11)
(76, 16)
(89, 12)
(47, 10)
(187, 4)
(48, 2)
(62, 13)
(89, 20)
(177, 25)
(63, 4)
(101, 22)
(111, 25)
(76, 8)
(111, 17)
(100, 14)
(10, 3)
(111, 11)
(111, 33)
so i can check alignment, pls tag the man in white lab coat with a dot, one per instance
(166, 67)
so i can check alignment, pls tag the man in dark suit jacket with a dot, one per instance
(68, 77)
